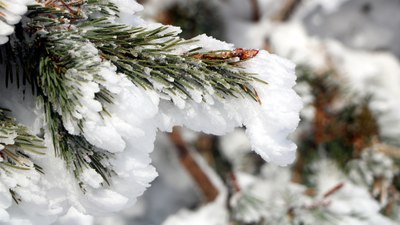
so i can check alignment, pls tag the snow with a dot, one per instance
(91, 178)
(362, 72)
(10, 14)
(9, 139)
(351, 199)
(5, 202)
(376, 76)
(6, 29)
(267, 124)
(214, 213)
(235, 144)
(136, 109)
(10, 17)
(127, 9)
(129, 130)
(73, 217)
(365, 74)
(169, 187)
(211, 214)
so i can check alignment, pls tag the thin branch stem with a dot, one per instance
(256, 12)
(208, 189)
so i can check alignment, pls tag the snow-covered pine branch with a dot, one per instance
(106, 82)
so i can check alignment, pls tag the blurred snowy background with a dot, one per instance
(346, 172)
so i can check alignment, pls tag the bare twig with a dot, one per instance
(333, 190)
(207, 145)
(256, 10)
(192, 167)
(324, 201)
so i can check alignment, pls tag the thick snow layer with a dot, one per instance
(173, 187)
(267, 124)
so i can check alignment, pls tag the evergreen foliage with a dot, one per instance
(59, 50)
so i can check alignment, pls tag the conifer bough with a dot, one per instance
(86, 85)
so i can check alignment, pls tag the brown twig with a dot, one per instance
(333, 190)
(242, 54)
(208, 189)
(256, 10)
(324, 201)
(67, 6)
(207, 145)
(234, 182)
(287, 10)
